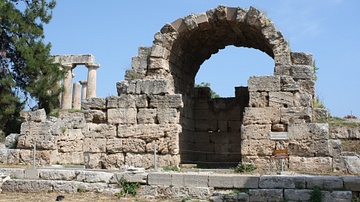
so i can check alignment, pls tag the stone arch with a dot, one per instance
(165, 73)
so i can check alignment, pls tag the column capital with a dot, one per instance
(92, 65)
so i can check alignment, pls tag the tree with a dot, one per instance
(213, 93)
(27, 72)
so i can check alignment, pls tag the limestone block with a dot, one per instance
(93, 103)
(281, 182)
(148, 132)
(344, 132)
(314, 131)
(47, 174)
(139, 62)
(302, 99)
(150, 87)
(133, 145)
(147, 160)
(146, 116)
(264, 83)
(325, 182)
(352, 183)
(337, 196)
(349, 164)
(320, 115)
(71, 141)
(259, 99)
(265, 163)
(195, 180)
(156, 178)
(94, 145)
(113, 161)
(282, 70)
(168, 145)
(308, 148)
(43, 157)
(335, 147)
(66, 186)
(166, 101)
(37, 116)
(310, 164)
(35, 128)
(73, 120)
(93, 176)
(121, 87)
(299, 58)
(233, 181)
(43, 142)
(297, 194)
(295, 115)
(93, 160)
(95, 116)
(251, 147)
(126, 101)
(122, 116)
(266, 115)
(9, 156)
(289, 84)
(93, 130)
(168, 116)
(307, 86)
(179, 25)
(141, 178)
(281, 99)
(27, 186)
(255, 132)
(241, 14)
(266, 195)
(76, 158)
(302, 72)
(158, 51)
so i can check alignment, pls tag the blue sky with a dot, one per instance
(112, 30)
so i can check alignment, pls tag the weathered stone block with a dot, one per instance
(251, 147)
(266, 194)
(95, 116)
(93, 176)
(43, 142)
(264, 83)
(122, 87)
(168, 116)
(281, 99)
(35, 128)
(76, 158)
(302, 72)
(125, 145)
(113, 161)
(166, 101)
(299, 58)
(94, 145)
(297, 194)
(294, 115)
(146, 116)
(307, 86)
(146, 160)
(139, 62)
(259, 99)
(303, 99)
(150, 87)
(352, 183)
(310, 164)
(57, 174)
(35, 116)
(320, 115)
(289, 84)
(195, 180)
(281, 182)
(99, 131)
(233, 181)
(122, 116)
(141, 178)
(325, 182)
(267, 115)
(159, 179)
(314, 131)
(93, 103)
(255, 132)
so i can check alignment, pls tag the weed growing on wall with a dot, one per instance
(127, 187)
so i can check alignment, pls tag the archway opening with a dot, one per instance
(214, 138)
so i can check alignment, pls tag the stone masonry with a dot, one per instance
(157, 104)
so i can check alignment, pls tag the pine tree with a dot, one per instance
(27, 71)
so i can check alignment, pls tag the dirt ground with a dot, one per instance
(78, 197)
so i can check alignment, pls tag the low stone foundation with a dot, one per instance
(200, 185)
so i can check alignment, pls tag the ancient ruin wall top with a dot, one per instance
(180, 47)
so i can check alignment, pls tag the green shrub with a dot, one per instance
(244, 168)
(315, 195)
(127, 187)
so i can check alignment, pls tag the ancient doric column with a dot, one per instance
(83, 89)
(67, 93)
(91, 80)
(76, 104)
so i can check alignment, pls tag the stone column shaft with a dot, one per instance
(91, 80)
(67, 93)
(83, 89)
(76, 104)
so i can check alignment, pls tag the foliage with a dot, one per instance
(171, 168)
(318, 103)
(203, 84)
(336, 121)
(127, 187)
(316, 195)
(244, 168)
(27, 71)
